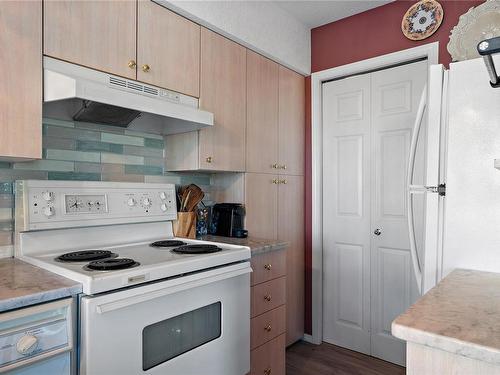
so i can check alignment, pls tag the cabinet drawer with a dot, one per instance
(268, 296)
(267, 326)
(269, 359)
(268, 266)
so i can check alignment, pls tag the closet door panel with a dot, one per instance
(346, 213)
(395, 97)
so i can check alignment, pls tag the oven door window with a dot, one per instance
(172, 337)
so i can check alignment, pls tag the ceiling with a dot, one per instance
(313, 13)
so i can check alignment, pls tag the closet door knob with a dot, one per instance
(267, 297)
(146, 68)
(268, 266)
(268, 328)
(132, 64)
(377, 232)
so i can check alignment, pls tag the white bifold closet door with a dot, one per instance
(367, 276)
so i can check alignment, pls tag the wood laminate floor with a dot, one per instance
(307, 359)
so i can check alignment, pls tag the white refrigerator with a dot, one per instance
(461, 135)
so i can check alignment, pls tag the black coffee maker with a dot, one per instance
(228, 220)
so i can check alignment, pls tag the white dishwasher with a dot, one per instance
(38, 340)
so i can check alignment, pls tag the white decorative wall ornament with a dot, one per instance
(481, 22)
(422, 19)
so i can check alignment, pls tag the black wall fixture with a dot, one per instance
(487, 48)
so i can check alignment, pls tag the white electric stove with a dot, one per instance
(159, 306)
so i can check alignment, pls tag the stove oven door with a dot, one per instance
(194, 324)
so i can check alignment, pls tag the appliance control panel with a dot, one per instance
(60, 204)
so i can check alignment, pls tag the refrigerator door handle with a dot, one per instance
(417, 269)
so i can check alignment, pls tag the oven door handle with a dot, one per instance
(177, 285)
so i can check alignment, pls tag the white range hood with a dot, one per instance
(73, 92)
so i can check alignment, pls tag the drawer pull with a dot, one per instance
(267, 297)
(267, 371)
(268, 328)
(268, 266)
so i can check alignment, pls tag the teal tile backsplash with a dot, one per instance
(89, 152)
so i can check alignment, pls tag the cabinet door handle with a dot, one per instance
(209, 159)
(283, 166)
(275, 181)
(268, 266)
(132, 64)
(268, 328)
(284, 182)
(267, 371)
(267, 297)
(275, 166)
(146, 68)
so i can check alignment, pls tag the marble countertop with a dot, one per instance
(22, 284)
(460, 315)
(256, 245)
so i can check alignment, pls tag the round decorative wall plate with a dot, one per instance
(422, 19)
(479, 23)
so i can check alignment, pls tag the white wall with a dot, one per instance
(259, 25)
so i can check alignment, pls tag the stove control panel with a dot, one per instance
(85, 203)
(59, 204)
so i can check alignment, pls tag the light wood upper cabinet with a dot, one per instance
(261, 201)
(223, 92)
(291, 229)
(291, 122)
(97, 34)
(262, 114)
(21, 80)
(168, 49)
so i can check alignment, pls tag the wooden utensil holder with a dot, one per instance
(185, 225)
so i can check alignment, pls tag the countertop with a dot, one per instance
(256, 245)
(460, 315)
(22, 284)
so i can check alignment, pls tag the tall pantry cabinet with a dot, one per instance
(274, 182)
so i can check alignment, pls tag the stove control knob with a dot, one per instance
(163, 196)
(49, 211)
(48, 196)
(164, 207)
(131, 202)
(27, 344)
(146, 202)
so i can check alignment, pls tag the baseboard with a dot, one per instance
(6, 251)
(309, 338)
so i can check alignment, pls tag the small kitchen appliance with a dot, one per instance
(142, 288)
(229, 219)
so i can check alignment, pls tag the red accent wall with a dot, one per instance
(362, 36)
